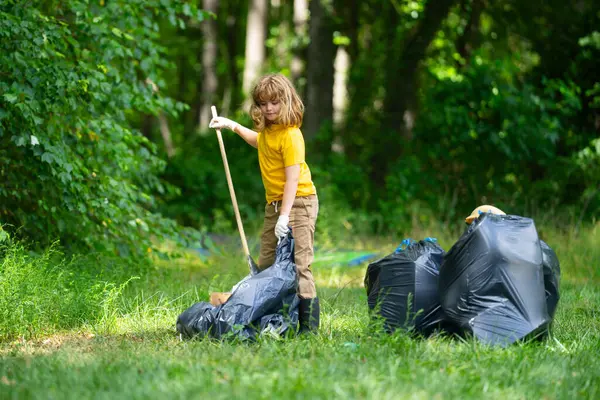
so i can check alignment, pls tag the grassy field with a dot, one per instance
(70, 333)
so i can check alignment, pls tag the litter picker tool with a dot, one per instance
(251, 263)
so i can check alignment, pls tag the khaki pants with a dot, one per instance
(303, 218)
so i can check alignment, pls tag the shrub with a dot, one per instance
(72, 166)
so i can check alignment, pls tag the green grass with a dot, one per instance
(127, 348)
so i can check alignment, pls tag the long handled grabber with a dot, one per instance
(251, 263)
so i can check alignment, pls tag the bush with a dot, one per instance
(73, 73)
(491, 138)
(204, 200)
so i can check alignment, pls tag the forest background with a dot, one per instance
(416, 112)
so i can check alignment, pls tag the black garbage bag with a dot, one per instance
(492, 282)
(199, 318)
(402, 288)
(264, 302)
(551, 267)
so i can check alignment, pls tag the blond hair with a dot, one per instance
(276, 87)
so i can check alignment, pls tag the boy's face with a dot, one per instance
(270, 109)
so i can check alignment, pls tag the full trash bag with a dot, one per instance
(492, 280)
(402, 288)
(261, 303)
(551, 267)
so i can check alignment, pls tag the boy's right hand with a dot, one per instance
(223, 123)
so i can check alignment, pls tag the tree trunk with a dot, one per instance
(340, 88)
(146, 128)
(348, 13)
(209, 60)
(230, 48)
(319, 73)
(400, 101)
(166, 134)
(469, 40)
(256, 34)
(401, 70)
(300, 28)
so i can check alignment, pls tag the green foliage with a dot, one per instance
(503, 107)
(45, 293)
(4, 236)
(588, 161)
(486, 134)
(592, 41)
(73, 166)
(483, 134)
(496, 117)
(204, 201)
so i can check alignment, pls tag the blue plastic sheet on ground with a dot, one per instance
(212, 245)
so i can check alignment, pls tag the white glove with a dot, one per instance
(223, 123)
(281, 229)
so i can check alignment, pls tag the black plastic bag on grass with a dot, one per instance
(551, 268)
(492, 280)
(199, 318)
(402, 288)
(261, 303)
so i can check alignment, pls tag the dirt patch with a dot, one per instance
(48, 344)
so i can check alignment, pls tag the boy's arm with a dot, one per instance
(292, 176)
(250, 136)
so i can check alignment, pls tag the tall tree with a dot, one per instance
(300, 28)
(401, 82)
(232, 31)
(209, 60)
(165, 132)
(469, 40)
(340, 89)
(402, 66)
(320, 72)
(256, 33)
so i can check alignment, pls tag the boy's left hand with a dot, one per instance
(281, 228)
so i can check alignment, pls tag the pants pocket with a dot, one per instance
(312, 209)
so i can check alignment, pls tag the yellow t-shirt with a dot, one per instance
(279, 147)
